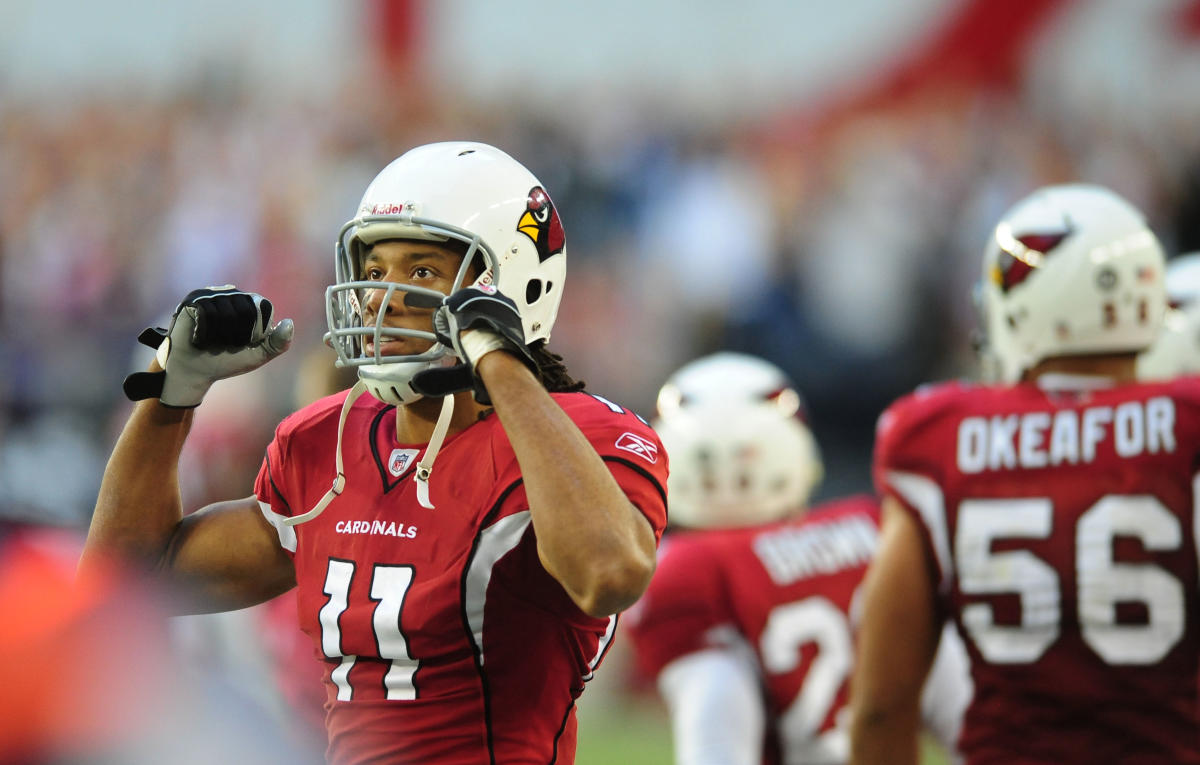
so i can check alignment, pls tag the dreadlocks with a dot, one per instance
(552, 371)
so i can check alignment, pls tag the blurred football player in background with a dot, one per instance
(1177, 350)
(748, 622)
(459, 596)
(1049, 514)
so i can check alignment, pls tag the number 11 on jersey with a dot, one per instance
(389, 585)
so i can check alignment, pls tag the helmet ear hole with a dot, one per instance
(533, 291)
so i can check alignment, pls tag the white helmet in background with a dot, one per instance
(741, 453)
(1069, 270)
(457, 191)
(1176, 352)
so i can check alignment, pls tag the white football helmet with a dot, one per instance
(741, 453)
(1176, 352)
(469, 192)
(1069, 270)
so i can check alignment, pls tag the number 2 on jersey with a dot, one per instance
(1101, 582)
(812, 620)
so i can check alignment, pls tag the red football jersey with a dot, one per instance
(443, 637)
(1061, 527)
(784, 590)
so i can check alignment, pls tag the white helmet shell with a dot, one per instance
(1176, 352)
(1069, 270)
(741, 453)
(469, 192)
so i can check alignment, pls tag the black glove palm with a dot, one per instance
(215, 333)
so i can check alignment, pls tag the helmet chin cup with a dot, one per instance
(392, 383)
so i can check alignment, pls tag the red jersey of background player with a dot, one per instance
(782, 591)
(440, 630)
(1062, 527)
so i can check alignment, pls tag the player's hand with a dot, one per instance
(215, 333)
(474, 322)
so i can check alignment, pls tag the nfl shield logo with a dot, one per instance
(400, 460)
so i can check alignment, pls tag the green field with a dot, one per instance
(624, 731)
(616, 729)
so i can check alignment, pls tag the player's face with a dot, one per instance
(423, 264)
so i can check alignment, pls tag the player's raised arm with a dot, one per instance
(590, 536)
(227, 551)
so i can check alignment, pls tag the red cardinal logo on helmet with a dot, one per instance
(1019, 258)
(540, 223)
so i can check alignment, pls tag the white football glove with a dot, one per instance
(215, 333)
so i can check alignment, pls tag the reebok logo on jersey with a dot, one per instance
(400, 460)
(642, 447)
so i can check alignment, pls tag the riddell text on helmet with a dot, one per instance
(384, 209)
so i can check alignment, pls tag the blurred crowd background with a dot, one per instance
(810, 182)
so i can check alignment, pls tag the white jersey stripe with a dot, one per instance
(609, 631)
(494, 542)
(287, 534)
(926, 496)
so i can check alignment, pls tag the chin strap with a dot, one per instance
(339, 480)
(425, 466)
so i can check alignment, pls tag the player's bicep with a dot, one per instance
(228, 556)
(646, 492)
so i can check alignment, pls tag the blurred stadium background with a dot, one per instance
(811, 182)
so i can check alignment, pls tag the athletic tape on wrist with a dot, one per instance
(476, 343)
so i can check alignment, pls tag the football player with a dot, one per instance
(1049, 514)
(1177, 349)
(748, 622)
(462, 536)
